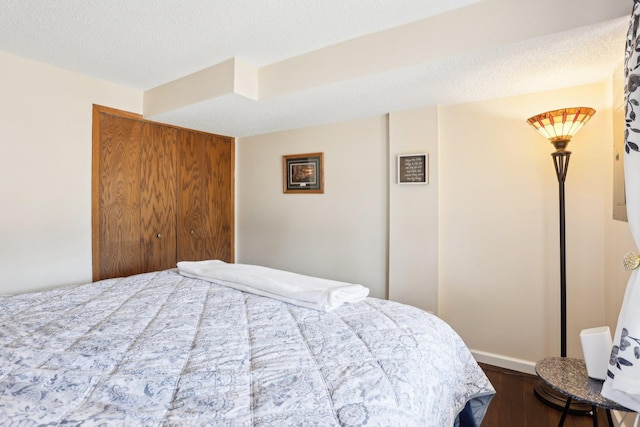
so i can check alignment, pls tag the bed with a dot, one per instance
(162, 349)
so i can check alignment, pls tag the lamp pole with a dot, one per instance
(542, 390)
(558, 126)
(561, 162)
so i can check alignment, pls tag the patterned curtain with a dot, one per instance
(623, 382)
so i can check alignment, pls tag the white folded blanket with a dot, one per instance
(297, 289)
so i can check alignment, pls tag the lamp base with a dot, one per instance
(557, 400)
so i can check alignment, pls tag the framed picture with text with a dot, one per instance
(302, 173)
(413, 168)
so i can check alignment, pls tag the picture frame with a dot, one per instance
(413, 168)
(303, 173)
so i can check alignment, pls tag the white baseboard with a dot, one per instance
(505, 361)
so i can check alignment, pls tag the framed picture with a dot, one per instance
(413, 168)
(302, 173)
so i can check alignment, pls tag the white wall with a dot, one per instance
(45, 167)
(341, 234)
(499, 256)
(363, 223)
(413, 212)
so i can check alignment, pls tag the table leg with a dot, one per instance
(594, 411)
(564, 412)
(609, 418)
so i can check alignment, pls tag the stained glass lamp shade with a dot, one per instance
(558, 126)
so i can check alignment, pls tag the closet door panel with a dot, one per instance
(119, 196)
(158, 197)
(221, 206)
(192, 193)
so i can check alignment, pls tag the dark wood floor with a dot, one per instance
(515, 405)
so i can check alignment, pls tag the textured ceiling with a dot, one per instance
(146, 43)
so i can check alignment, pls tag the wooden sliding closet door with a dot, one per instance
(161, 194)
(222, 205)
(158, 197)
(205, 214)
(119, 196)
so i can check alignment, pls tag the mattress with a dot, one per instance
(160, 349)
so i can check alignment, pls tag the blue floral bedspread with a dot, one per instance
(161, 349)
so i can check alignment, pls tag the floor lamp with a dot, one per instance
(559, 126)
